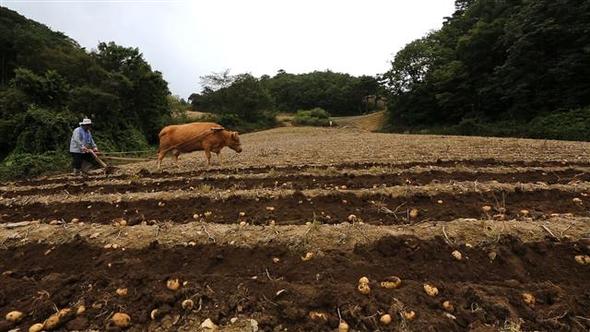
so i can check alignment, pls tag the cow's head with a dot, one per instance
(234, 141)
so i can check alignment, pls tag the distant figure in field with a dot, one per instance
(82, 147)
(197, 136)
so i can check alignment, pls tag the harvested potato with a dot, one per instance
(363, 280)
(188, 304)
(582, 259)
(276, 259)
(492, 255)
(343, 327)
(208, 324)
(80, 310)
(414, 213)
(122, 292)
(364, 289)
(486, 208)
(318, 316)
(385, 319)
(173, 284)
(528, 298)
(577, 200)
(524, 212)
(38, 327)
(448, 306)
(14, 316)
(154, 314)
(391, 282)
(352, 218)
(52, 322)
(457, 255)
(121, 320)
(64, 312)
(409, 315)
(57, 319)
(307, 256)
(430, 290)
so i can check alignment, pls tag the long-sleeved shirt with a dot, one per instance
(81, 138)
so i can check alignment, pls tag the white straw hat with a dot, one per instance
(86, 121)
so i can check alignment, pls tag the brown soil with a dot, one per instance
(310, 181)
(290, 169)
(231, 281)
(298, 208)
(303, 182)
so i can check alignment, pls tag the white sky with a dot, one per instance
(186, 39)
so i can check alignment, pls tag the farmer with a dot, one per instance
(81, 146)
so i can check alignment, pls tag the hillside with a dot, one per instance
(498, 68)
(48, 84)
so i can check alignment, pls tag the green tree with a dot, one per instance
(244, 104)
(48, 83)
(495, 62)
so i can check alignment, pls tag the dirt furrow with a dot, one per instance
(295, 169)
(379, 209)
(305, 182)
(274, 286)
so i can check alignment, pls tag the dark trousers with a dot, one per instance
(77, 159)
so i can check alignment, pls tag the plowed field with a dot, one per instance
(277, 238)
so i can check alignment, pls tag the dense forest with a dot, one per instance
(48, 83)
(246, 102)
(506, 68)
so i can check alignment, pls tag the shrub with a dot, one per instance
(571, 125)
(20, 165)
(314, 117)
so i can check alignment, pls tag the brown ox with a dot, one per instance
(196, 136)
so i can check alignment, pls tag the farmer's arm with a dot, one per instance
(93, 145)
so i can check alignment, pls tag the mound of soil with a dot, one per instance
(334, 208)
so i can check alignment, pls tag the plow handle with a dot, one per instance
(102, 163)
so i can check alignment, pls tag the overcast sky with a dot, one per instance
(186, 39)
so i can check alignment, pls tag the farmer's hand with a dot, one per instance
(84, 149)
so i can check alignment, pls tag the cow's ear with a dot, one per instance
(234, 134)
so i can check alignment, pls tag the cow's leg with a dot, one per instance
(176, 154)
(161, 155)
(219, 157)
(208, 155)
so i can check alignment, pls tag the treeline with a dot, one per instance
(48, 83)
(505, 68)
(247, 103)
